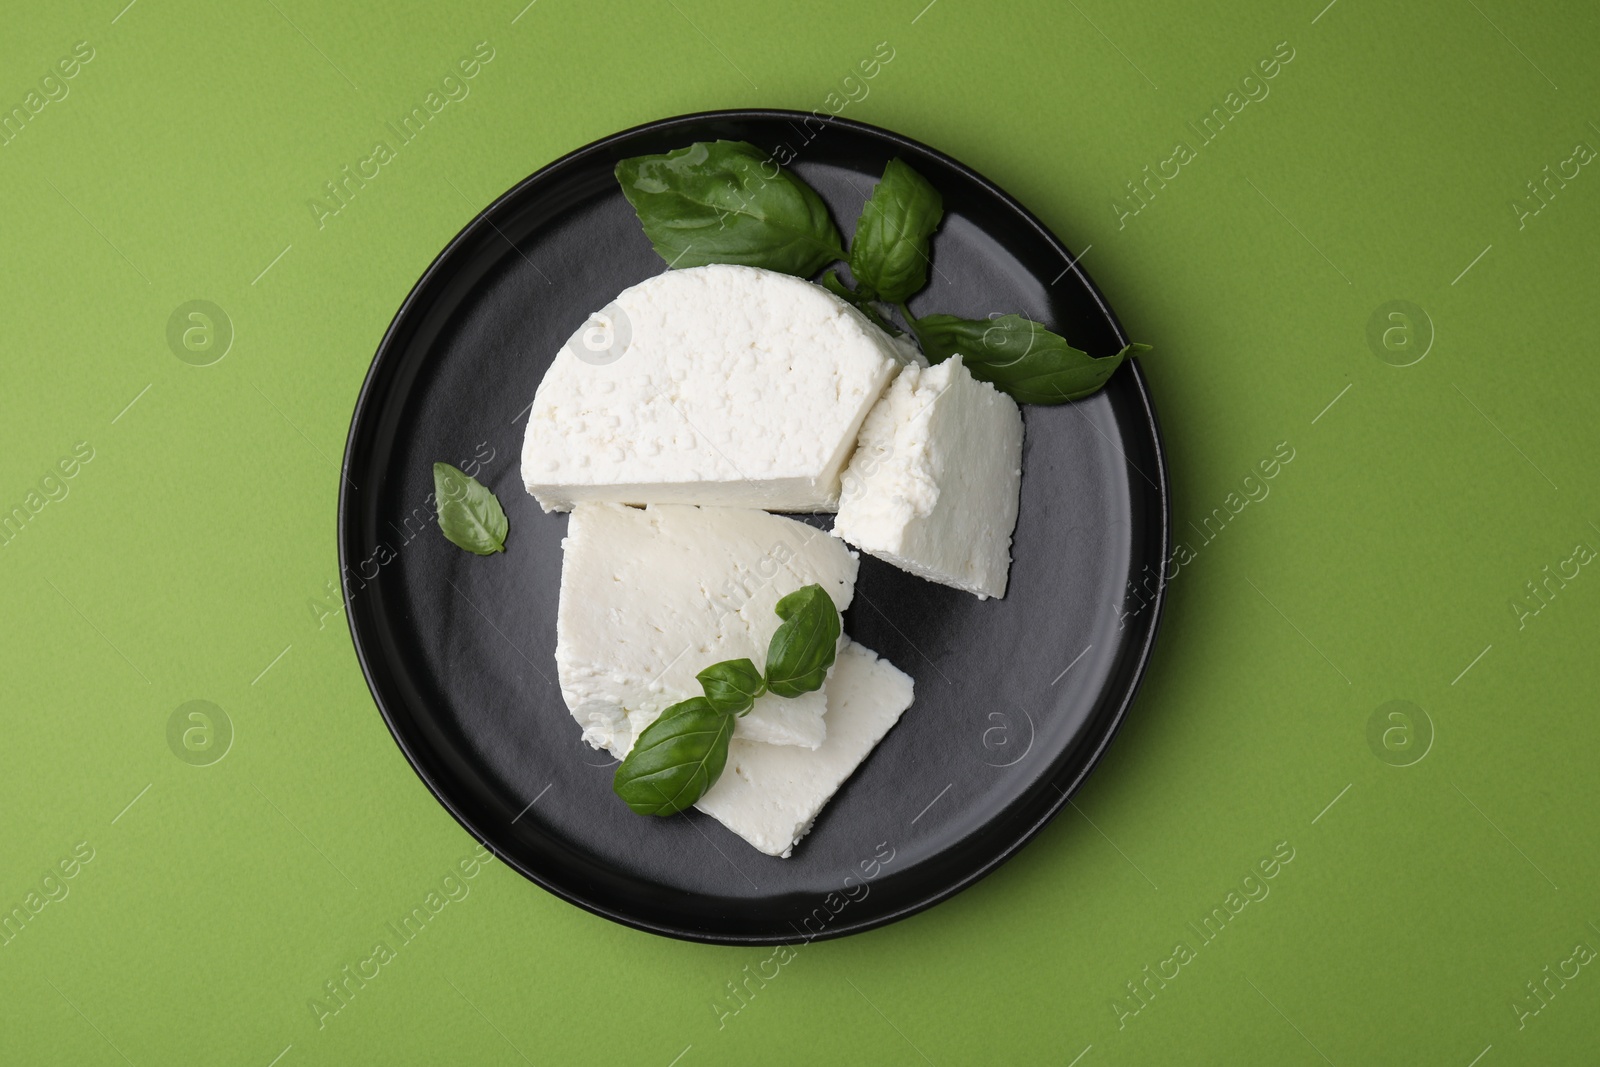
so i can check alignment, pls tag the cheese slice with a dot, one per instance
(650, 597)
(718, 385)
(934, 484)
(770, 794)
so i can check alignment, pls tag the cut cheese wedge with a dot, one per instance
(933, 487)
(720, 385)
(771, 794)
(650, 597)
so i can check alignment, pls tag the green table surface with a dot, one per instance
(1433, 863)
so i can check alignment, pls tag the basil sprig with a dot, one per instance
(470, 514)
(889, 253)
(716, 202)
(1018, 355)
(680, 755)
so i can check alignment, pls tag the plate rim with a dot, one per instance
(385, 352)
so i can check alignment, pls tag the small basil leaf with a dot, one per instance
(802, 650)
(1019, 356)
(727, 202)
(732, 686)
(676, 759)
(889, 253)
(469, 514)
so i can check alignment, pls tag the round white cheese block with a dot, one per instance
(716, 385)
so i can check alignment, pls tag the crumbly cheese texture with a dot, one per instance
(650, 597)
(719, 385)
(770, 794)
(934, 483)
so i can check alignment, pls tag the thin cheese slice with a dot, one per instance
(771, 794)
(650, 597)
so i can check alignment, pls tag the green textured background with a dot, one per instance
(193, 558)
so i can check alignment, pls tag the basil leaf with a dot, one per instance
(727, 202)
(469, 514)
(676, 759)
(803, 648)
(1019, 356)
(732, 686)
(889, 253)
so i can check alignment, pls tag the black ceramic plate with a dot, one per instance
(1016, 699)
